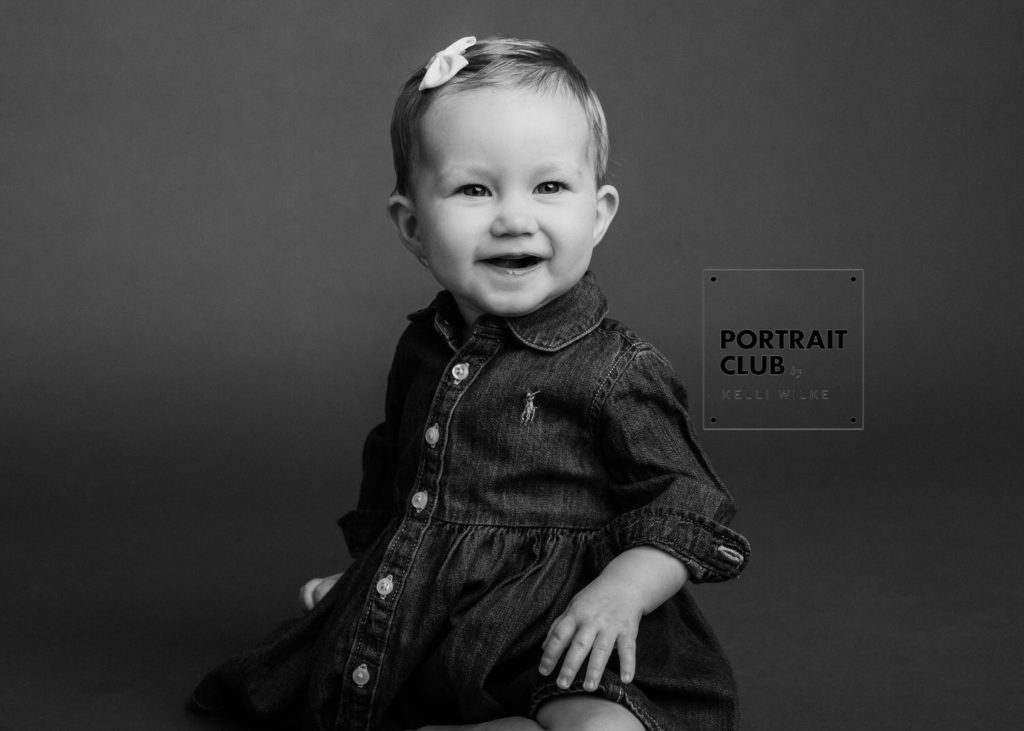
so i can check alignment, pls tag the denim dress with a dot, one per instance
(516, 460)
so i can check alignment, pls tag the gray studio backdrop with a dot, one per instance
(199, 293)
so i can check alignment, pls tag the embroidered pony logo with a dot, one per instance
(529, 409)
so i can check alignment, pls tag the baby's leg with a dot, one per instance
(517, 723)
(586, 713)
(568, 713)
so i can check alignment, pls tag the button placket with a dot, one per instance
(402, 555)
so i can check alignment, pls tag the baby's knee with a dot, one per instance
(586, 713)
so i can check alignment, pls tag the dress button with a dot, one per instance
(460, 371)
(386, 585)
(419, 500)
(361, 675)
(731, 555)
(432, 435)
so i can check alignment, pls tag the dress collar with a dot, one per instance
(555, 325)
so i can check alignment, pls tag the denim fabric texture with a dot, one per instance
(515, 461)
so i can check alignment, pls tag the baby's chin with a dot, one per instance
(518, 305)
(516, 309)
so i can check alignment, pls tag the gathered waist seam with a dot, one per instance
(523, 527)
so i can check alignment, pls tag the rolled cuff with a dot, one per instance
(710, 551)
(361, 528)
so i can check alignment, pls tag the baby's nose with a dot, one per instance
(514, 218)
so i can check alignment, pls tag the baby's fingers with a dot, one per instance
(315, 589)
(559, 637)
(306, 595)
(626, 647)
(325, 587)
(576, 646)
(581, 645)
(599, 654)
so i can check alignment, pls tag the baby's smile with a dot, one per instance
(514, 262)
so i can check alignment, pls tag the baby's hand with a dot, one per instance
(604, 615)
(315, 589)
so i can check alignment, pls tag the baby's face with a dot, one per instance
(505, 210)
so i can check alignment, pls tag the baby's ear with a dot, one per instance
(402, 212)
(607, 205)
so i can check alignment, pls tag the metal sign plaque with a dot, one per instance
(783, 349)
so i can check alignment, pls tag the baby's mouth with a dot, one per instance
(513, 262)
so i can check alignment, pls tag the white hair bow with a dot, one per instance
(445, 64)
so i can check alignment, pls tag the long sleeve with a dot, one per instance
(376, 504)
(664, 485)
(362, 525)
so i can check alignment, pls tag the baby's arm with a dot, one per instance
(606, 614)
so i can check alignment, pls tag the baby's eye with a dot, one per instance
(550, 186)
(473, 190)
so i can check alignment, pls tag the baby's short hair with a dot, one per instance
(508, 62)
